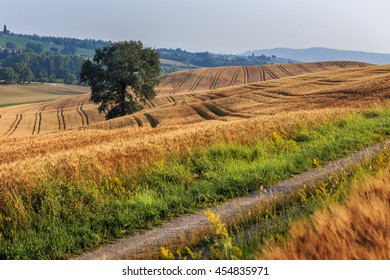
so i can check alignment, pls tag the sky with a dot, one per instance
(221, 26)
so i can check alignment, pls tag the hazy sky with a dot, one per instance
(223, 26)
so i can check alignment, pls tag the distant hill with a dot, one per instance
(324, 54)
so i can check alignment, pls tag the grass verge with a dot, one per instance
(342, 218)
(62, 217)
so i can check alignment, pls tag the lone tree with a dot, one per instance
(122, 76)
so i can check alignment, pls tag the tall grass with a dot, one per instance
(357, 229)
(62, 217)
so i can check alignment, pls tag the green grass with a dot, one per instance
(21, 44)
(61, 217)
(252, 233)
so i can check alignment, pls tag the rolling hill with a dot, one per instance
(70, 181)
(192, 96)
(324, 54)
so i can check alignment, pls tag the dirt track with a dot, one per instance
(178, 229)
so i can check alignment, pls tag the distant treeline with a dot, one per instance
(28, 66)
(206, 59)
(89, 44)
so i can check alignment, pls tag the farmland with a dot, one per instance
(24, 94)
(183, 98)
(72, 164)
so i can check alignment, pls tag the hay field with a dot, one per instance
(189, 97)
(14, 94)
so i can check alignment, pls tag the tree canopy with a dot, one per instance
(122, 76)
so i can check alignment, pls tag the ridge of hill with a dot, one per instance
(324, 54)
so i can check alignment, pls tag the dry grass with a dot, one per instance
(358, 229)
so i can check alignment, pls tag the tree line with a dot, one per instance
(26, 67)
(89, 44)
(207, 59)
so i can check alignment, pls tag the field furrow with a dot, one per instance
(284, 70)
(235, 76)
(38, 120)
(185, 78)
(270, 73)
(246, 75)
(262, 73)
(319, 64)
(303, 68)
(215, 80)
(197, 82)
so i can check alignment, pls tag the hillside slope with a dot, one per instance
(324, 54)
(192, 96)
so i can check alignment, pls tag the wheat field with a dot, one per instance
(240, 114)
(68, 142)
(189, 97)
(355, 230)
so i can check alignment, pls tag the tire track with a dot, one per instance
(321, 66)
(196, 84)
(170, 99)
(262, 73)
(284, 70)
(38, 120)
(235, 77)
(15, 124)
(216, 78)
(80, 113)
(246, 75)
(149, 103)
(84, 113)
(60, 115)
(338, 64)
(269, 72)
(303, 68)
(185, 78)
(167, 81)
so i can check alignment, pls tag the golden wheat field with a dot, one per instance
(13, 94)
(52, 139)
(358, 229)
(193, 96)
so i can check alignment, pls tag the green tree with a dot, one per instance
(24, 74)
(36, 47)
(11, 45)
(122, 76)
(8, 75)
